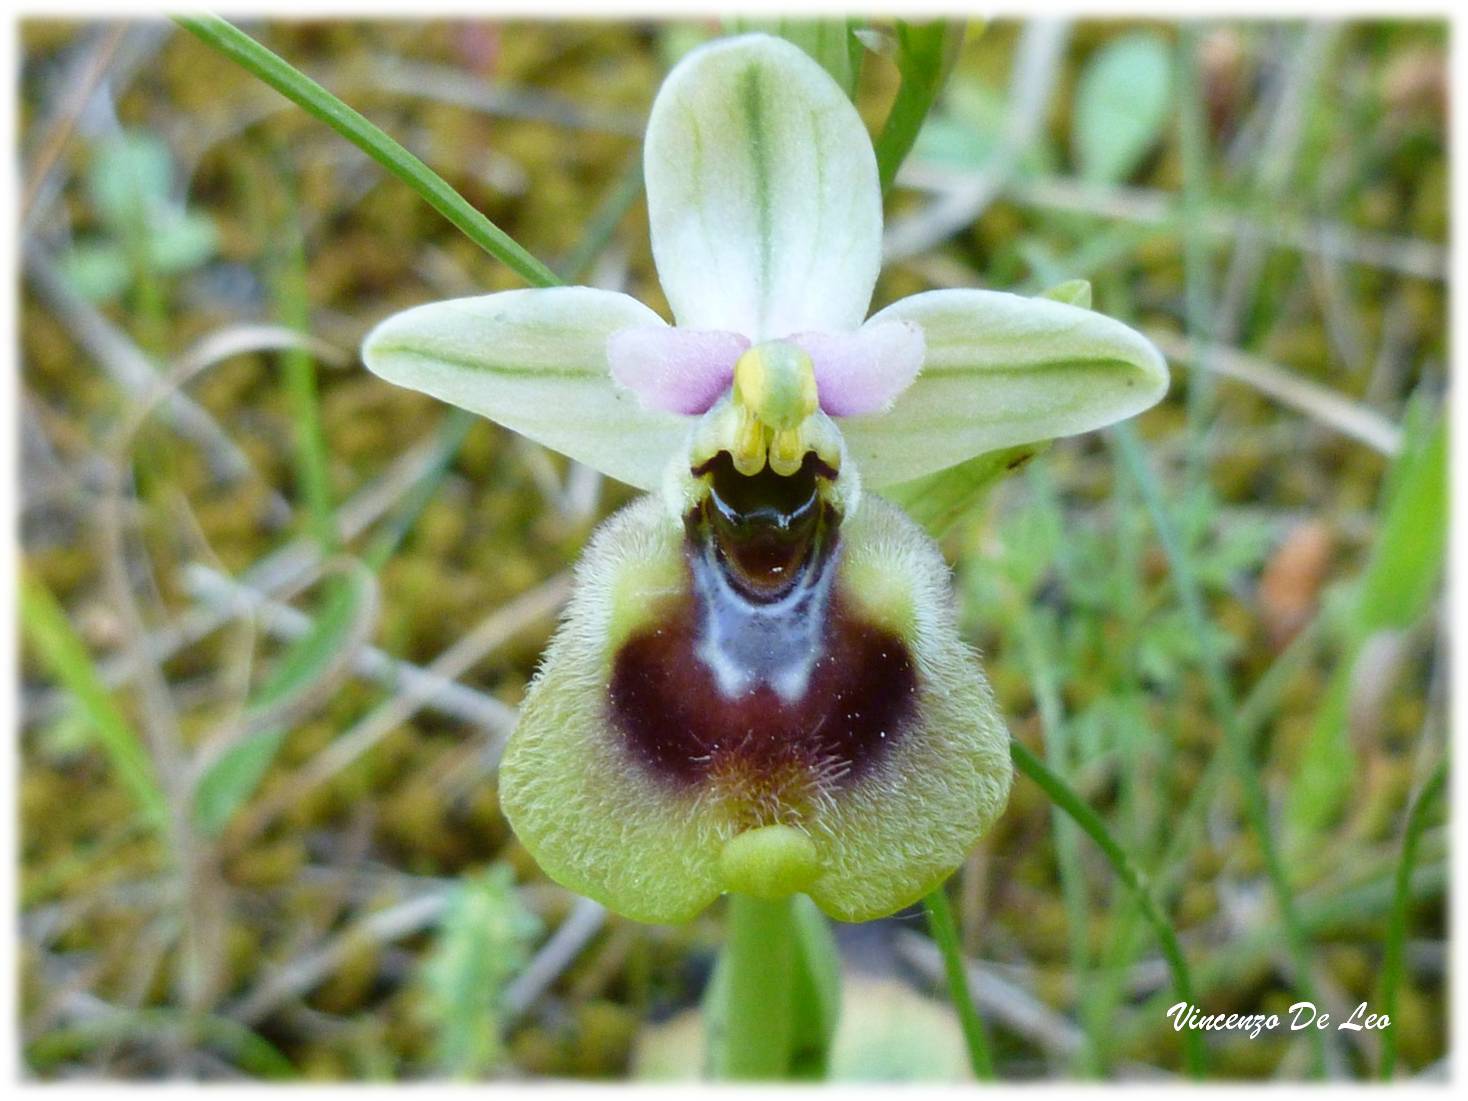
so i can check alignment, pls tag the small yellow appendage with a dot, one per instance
(770, 862)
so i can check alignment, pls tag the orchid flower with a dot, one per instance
(758, 684)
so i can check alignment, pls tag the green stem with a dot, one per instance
(1396, 935)
(759, 1016)
(1067, 800)
(1236, 741)
(945, 933)
(352, 125)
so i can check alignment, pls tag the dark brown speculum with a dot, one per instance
(762, 679)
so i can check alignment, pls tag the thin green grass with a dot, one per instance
(925, 55)
(250, 1051)
(46, 627)
(292, 305)
(1041, 663)
(352, 125)
(1396, 936)
(955, 969)
(1226, 713)
(1061, 794)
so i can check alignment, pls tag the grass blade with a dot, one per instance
(300, 89)
(925, 56)
(945, 934)
(1235, 736)
(1401, 576)
(249, 1050)
(45, 625)
(292, 304)
(1391, 968)
(1066, 799)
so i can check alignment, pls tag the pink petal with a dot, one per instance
(676, 370)
(864, 371)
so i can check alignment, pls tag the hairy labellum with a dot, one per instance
(771, 697)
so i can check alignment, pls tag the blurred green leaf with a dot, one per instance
(925, 56)
(968, 129)
(1402, 573)
(1073, 292)
(232, 779)
(129, 178)
(46, 627)
(482, 943)
(129, 183)
(1122, 102)
(1326, 774)
(97, 270)
(182, 242)
(1393, 593)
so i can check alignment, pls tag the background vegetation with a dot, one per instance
(278, 614)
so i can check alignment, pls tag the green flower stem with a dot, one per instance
(1067, 800)
(945, 933)
(759, 1016)
(1391, 968)
(1236, 741)
(352, 125)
